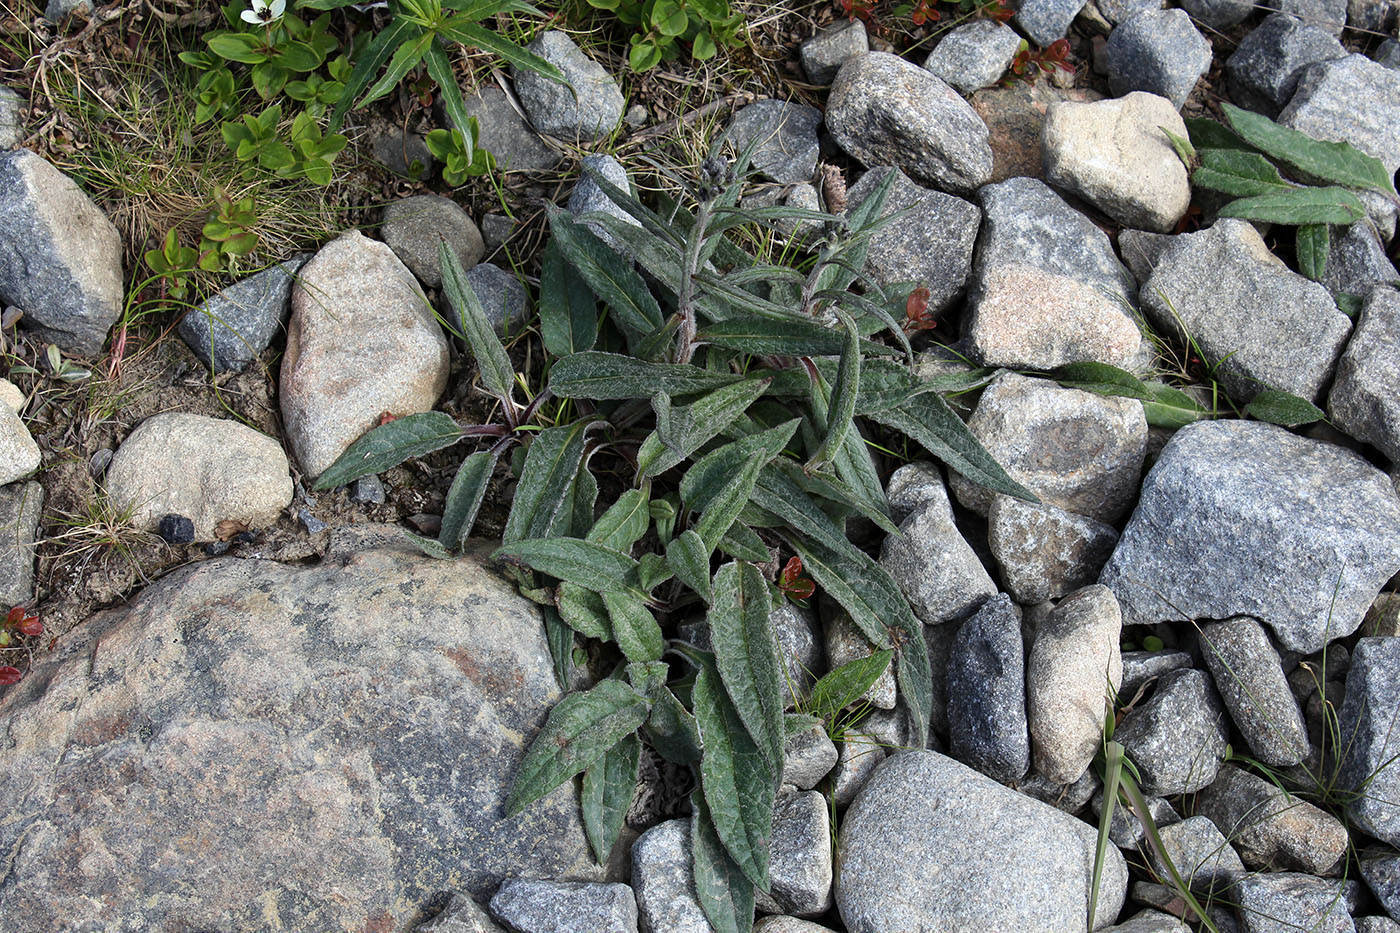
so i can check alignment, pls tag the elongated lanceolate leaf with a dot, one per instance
(688, 557)
(608, 786)
(1170, 407)
(1339, 163)
(746, 654)
(568, 310)
(441, 71)
(736, 779)
(1283, 408)
(584, 611)
(1102, 379)
(1210, 134)
(580, 730)
(519, 58)
(368, 63)
(743, 542)
(764, 336)
(607, 274)
(1238, 173)
(464, 498)
(633, 625)
(574, 560)
(389, 445)
(724, 508)
(709, 475)
(843, 397)
(497, 374)
(1313, 244)
(725, 895)
(597, 375)
(551, 464)
(688, 427)
(847, 684)
(561, 647)
(1297, 206)
(624, 522)
(404, 59)
(583, 501)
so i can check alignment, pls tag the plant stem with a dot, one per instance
(685, 302)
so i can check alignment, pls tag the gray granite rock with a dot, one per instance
(799, 634)
(1120, 11)
(504, 299)
(1382, 876)
(844, 643)
(1367, 720)
(1283, 902)
(231, 329)
(1330, 15)
(367, 490)
(1388, 54)
(21, 504)
(415, 229)
(503, 132)
(1363, 401)
(1357, 261)
(788, 924)
(1125, 829)
(1219, 14)
(858, 755)
(783, 136)
(911, 486)
(588, 196)
(496, 229)
(1045, 552)
(933, 564)
(883, 110)
(1067, 798)
(586, 108)
(800, 864)
(1044, 21)
(1114, 155)
(1233, 506)
(808, 756)
(974, 55)
(939, 640)
(1159, 52)
(60, 257)
(1249, 677)
(1139, 667)
(1263, 71)
(1271, 829)
(1075, 450)
(1142, 251)
(401, 152)
(929, 244)
(1177, 737)
(933, 844)
(1375, 16)
(1383, 618)
(663, 877)
(530, 906)
(1150, 921)
(1198, 851)
(823, 54)
(265, 716)
(1073, 669)
(11, 118)
(461, 915)
(987, 693)
(1352, 100)
(1265, 325)
(19, 455)
(1375, 925)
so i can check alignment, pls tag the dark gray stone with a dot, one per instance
(1177, 738)
(401, 152)
(1067, 798)
(1351, 100)
(663, 877)
(1382, 876)
(496, 229)
(1125, 829)
(1389, 54)
(1159, 52)
(1284, 902)
(930, 244)
(415, 229)
(974, 55)
(368, 490)
(1330, 15)
(1363, 400)
(1265, 325)
(586, 108)
(883, 110)
(11, 118)
(21, 504)
(504, 133)
(1367, 720)
(1047, 20)
(230, 330)
(1198, 851)
(1232, 507)
(1375, 16)
(502, 296)
(932, 844)
(1219, 14)
(808, 756)
(588, 196)
(800, 863)
(934, 566)
(1249, 677)
(987, 693)
(823, 54)
(530, 906)
(461, 915)
(1142, 250)
(1141, 666)
(1272, 830)
(1044, 551)
(785, 135)
(911, 486)
(58, 10)
(1263, 71)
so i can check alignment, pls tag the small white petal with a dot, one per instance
(248, 16)
(278, 8)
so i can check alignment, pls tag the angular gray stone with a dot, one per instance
(987, 693)
(1141, 666)
(496, 229)
(1160, 52)
(1047, 20)
(1120, 11)
(588, 112)
(808, 756)
(1383, 618)
(800, 861)
(1363, 401)
(911, 486)
(929, 244)
(231, 329)
(1357, 262)
(883, 110)
(1367, 719)
(1219, 14)
(1249, 677)
(1075, 450)
(530, 906)
(1150, 921)
(663, 877)
(266, 716)
(1073, 668)
(415, 229)
(1388, 54)
(784, 136)
(974, 55)
(402, 153)
(60, 257)
(845, 643)
(504, 299)
(1232, 507)
(1330, 15)
(1142, 251)
(1265, 325)
(1284, 902)
(1382, 876)
(1375, 16)
(588, 196)
(1067, 798)
(934, 566)
(1263, 71)
(1114, 155)
(461, 915)
(19, 455)
(11, 118)
(858, 755)
(504, 133)
(788, 924)
(1177, 738)
(1198, 851)
(21, 504)
(1375, 925)
(1351, 100)
(1044, 551)
(1125, 829)
(932, 844)
(823, 54)
(799, 634)
(1271, 829)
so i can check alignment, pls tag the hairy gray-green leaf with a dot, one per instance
(1339, 163)
(709, 475)
(743, 542)
(1170, 407)
(464, 498)
(584, 611)
(497, 374)
(597, 375)
(724, 893)
(1313, 244)
(671, 729)
(607, 274)
(625, 521)
(1277, 407)
(1298, 206)
(721, 511)
(579, 731)
(1102, 379)
(688, 557)
(608, 786)
(551, 464)
(633, 625)
(1238, 173)
(389, 445)
(843, 396)
(583, 502)
(764, 336)
(688, 427)
(568, 311)
(430, 547)
(561, 647)
(736, 779)
(847, 684)
(1210, 134)
(653, 571)
(574, 560)
(746, 654)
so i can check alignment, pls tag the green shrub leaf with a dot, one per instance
(746, 654)
(541, 495)
(670, 729)
(389, 445)
(634, 627)
(847, 684)
(743, 542)
(688, 557)
(497, 373)
(597, 375)
(608, 786)
(1339, 163)
(843, 397)
(725, 895)
(1238, 173)
(1277, 407)
(575, 560)
(680, 431)
(609, 276)
(1313, 244)
(464, 498)
(1298, 206)
(568, 311)
(625, 521)
(580, 730)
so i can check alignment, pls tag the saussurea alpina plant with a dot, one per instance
(729, 395)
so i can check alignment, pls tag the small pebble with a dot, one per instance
(176, 529)
(313, 524)
(367, 489)
(97, 464)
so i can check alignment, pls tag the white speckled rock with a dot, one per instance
(663, 879)
(530, 906)
(11, 395)
(933, 564)
(206, 469)
(361, 341)
(19, 455)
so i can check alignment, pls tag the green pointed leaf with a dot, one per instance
(574, 560)
(746, 654)
(688, 427)
(724, 508)
(633, 625)
(430, 547)
(847, 684)
(497, 373)
(389, 445)
(653, 571)
(608, 786)
(440, 69)
(1314, 243)
(1170, 407)
(579, 731)
(1211, 134)
(743, 542)
(1102, 379)
(625, 521)
(709, 475)
(561, 647)
(583, 610)
(843, 397)
(405, 58)
(1298, 206)
(471, 34)
(583, 500)
(1283, 408)
(1184, 150)
(688, 557)
(1238, 173)
(551, 464)
(568, 310)
(609, 276)
(597, 375)
(464, 498)
(1339, 163)
(724, 893)
(794, 336)
(368, 63)
(736, 779)
(671, 729)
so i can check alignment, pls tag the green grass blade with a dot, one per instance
(375, 54)
(517, 57)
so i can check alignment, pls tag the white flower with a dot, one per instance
(263, 12)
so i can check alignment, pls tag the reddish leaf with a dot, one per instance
(32, 626)
(791, 571)
(9, 675)
(800, 589)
